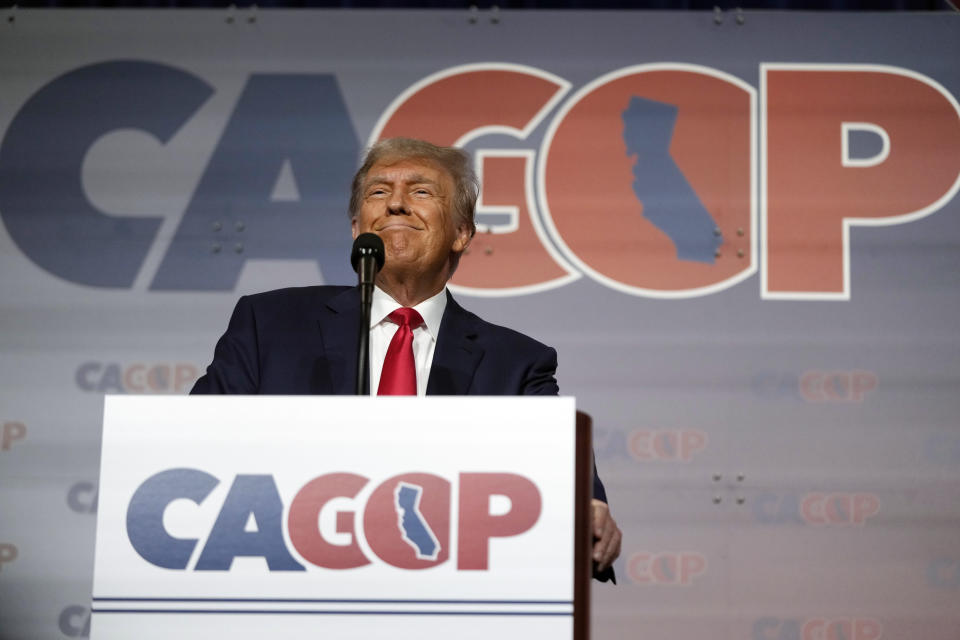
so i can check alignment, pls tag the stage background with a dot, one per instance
(776, 416)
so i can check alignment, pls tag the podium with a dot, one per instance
(342, 517)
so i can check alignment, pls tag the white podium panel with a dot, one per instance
(358, 517)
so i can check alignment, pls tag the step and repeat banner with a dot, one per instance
(740, 231)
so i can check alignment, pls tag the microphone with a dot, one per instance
(367, 247)
(367, 259)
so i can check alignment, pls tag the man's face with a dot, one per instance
(408, 203)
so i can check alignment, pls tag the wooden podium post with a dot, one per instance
(353, 517)
(583, 532)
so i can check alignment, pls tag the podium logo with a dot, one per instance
(405, 521)
(414, 529)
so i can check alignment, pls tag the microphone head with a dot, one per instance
(367, 244)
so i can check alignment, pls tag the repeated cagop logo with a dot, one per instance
(74, 621)
(666, 445)
(11, 432)
(943, 572)
(666, 568)
(817, 386)
(405, 522)
(136, 378)
(8, 553)
(616, 180)
(83, 497)
(838, 508)
(817, 628)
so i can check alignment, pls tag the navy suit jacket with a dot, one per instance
(303, 341)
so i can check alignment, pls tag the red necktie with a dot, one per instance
(399, 376)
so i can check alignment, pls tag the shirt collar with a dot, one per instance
(431, 309)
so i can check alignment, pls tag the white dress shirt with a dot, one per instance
(424, 336)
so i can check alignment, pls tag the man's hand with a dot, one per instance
(606, 535)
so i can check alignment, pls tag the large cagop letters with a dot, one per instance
(293, 124)
(42, 199)
(817, 185)
(510, 254)
(629, 181)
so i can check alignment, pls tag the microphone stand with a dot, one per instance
(367, 272)
(367, 259)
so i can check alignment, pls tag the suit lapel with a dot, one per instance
(338, 324)
(457, 353)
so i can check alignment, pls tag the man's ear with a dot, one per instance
(353, 227)
(463, 239)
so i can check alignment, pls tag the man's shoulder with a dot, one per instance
(499, 336)
(293, 296)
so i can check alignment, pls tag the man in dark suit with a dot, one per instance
(420, 200)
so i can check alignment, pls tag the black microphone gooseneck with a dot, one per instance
(367, 259)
